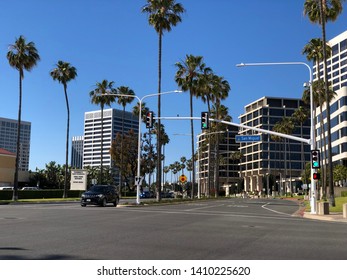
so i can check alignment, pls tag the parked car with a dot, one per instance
(30, 189)
(100, 195)
(167, 195)
(6, 188)
(147, 194)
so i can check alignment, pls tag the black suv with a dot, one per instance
(100, 195)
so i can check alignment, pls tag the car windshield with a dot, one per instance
(98, 188)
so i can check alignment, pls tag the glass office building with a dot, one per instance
(8, 140)
(284, 159)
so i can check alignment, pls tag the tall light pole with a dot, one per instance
(140, 100)
(313, 197)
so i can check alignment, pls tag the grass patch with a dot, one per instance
(339, 201)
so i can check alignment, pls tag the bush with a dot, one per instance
(40, 194)
(344, 194)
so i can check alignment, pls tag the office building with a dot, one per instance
(7, 167)
(283, 159)
(229, 179)
(337, 76)
(112, 124)
(8, 140)
(77, 152)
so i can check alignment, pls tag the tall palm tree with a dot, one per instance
(64, 73)
(162, 15)
(99, 97)
(213, 89)
(21, 56)
(124, 100)
(187, 78)
(314, 52)
(300, 116)
(322, 11)
(219, 112)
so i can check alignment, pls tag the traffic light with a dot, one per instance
(315, 159)
(316, 176)
(149, 119)
(204, 120)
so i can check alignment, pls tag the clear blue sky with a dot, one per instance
(111, 39)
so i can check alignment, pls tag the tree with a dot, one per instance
(162, 15)
(322, 11)
(64, 73)
(187, 78)
(314, 52)
(124, 100)
(124, 154)
(218, 112)
(300, 116)
(21, 56)
(99, 96)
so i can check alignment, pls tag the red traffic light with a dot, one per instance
(316, 176)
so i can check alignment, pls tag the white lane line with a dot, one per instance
(278, 212)
(200, 208)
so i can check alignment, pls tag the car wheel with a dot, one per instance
(104, 202)
(115, 203)
(83, 205)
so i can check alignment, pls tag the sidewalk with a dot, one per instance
(332, 217)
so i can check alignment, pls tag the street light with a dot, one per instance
(313, 198)
(140, 100)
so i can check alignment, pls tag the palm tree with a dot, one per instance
(314, 52)
(64, 73)
(144, 110)
(322, 11)
(213, 89)
(319, 98)
(300, 116)
(21, 56)
(99, 96)
(124, 100)
(187, 78)
(219, 112)
(162, 15)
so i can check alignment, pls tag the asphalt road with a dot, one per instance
(233, 229)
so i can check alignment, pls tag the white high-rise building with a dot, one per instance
(112, 124)
(337, 76)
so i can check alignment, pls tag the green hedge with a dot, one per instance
(344, 194)
(40, 194)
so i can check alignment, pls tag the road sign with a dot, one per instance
(183, 178)
(138, 180)
(247, 138)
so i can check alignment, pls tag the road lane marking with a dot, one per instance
(278, 212)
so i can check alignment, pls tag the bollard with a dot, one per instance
(323, 208)
(344, 209)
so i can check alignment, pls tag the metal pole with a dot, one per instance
(138, 183)
(312, 141)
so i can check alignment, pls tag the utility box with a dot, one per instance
(323, 208)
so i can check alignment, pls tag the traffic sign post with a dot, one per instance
(247, 138)
(183, 178)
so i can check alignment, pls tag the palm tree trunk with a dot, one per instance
(15, 188)
(67, 142)
(158, 185)
(209, 153)
(330, 161)
(192, 144)
(102, 144)
(121, 155)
